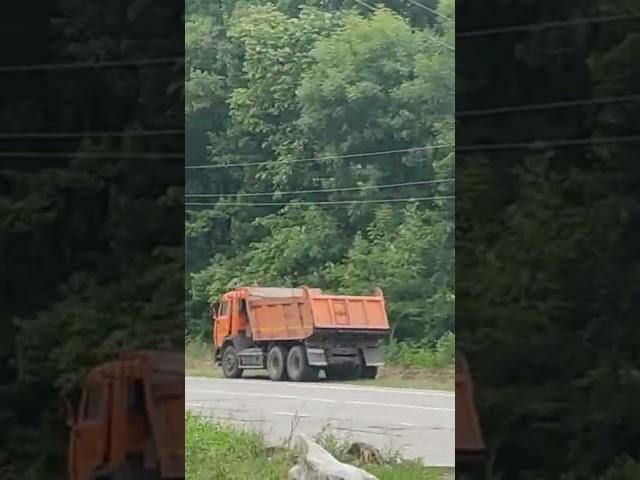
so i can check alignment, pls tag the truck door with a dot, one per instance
(223, 321)
(89, 435)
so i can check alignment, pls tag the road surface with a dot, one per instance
(415, 423)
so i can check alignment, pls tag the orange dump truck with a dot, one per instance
(469, 442)
(129, 423)
(294, 333)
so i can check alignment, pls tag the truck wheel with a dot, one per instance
(370, 373)
(334, 372)
(276, 363)
(298, 366)
(231, 363)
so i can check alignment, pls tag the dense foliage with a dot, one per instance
(91, 248)
(327, 83)
(546, 240)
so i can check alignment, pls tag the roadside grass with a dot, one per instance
(198, 360)
(220, 451)
(395, 376)
(400, 372)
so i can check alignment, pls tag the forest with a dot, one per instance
(91, 223)
(547, 229)
(319, 151)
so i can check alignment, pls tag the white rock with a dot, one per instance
(315, 463)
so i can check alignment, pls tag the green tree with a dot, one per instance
(296, 80)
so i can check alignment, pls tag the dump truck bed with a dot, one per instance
(295, 314)
(167, 416)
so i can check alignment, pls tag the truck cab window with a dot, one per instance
(93, 402)
(224, 309)
(135, 398)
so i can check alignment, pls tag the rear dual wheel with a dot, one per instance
(290, 364)
(370, 373)
(298, 366)
(277, 363)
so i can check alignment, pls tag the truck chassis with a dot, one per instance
(342, 354)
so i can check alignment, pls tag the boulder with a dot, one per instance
(365, 453)
(315, 463)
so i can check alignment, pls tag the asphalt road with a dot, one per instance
(415, 423)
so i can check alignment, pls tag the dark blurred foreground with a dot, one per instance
(547, 234)
(91, 220)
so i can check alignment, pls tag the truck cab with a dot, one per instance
(470, 448)
(228, 318)
(130, 420)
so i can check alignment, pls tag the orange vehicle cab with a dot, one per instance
(296, 332)
(469, 442)
(130, 420)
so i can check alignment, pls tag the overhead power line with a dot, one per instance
(63, 135)
(93, 64)
(461, 114)
(319, 159)
(435, 40)
(323, 190)
(365, 4)
(538, 144)
(547, 106)
(435, 12)
(460, 148)
(131, 155)
(336, 202)
(431, 36)
(547, 25)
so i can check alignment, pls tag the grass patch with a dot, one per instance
(424, 354)
(215, 450)
(198, 360)
(409, 366)
(218, 451)
(397, 376)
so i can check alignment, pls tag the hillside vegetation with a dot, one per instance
(319, 152)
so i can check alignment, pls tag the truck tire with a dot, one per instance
(298, 366)
(277, 363)
(231, 363)
(370, 373)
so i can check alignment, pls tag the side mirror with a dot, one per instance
(214, 309)
(71, 416)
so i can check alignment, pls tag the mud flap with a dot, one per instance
(316, 357)
(373, 357)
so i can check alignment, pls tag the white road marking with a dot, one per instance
(407, 391)
(289, 414)
(395, 405)
(322, 400)
(267, 395)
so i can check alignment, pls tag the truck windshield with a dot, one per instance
(93, 402)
